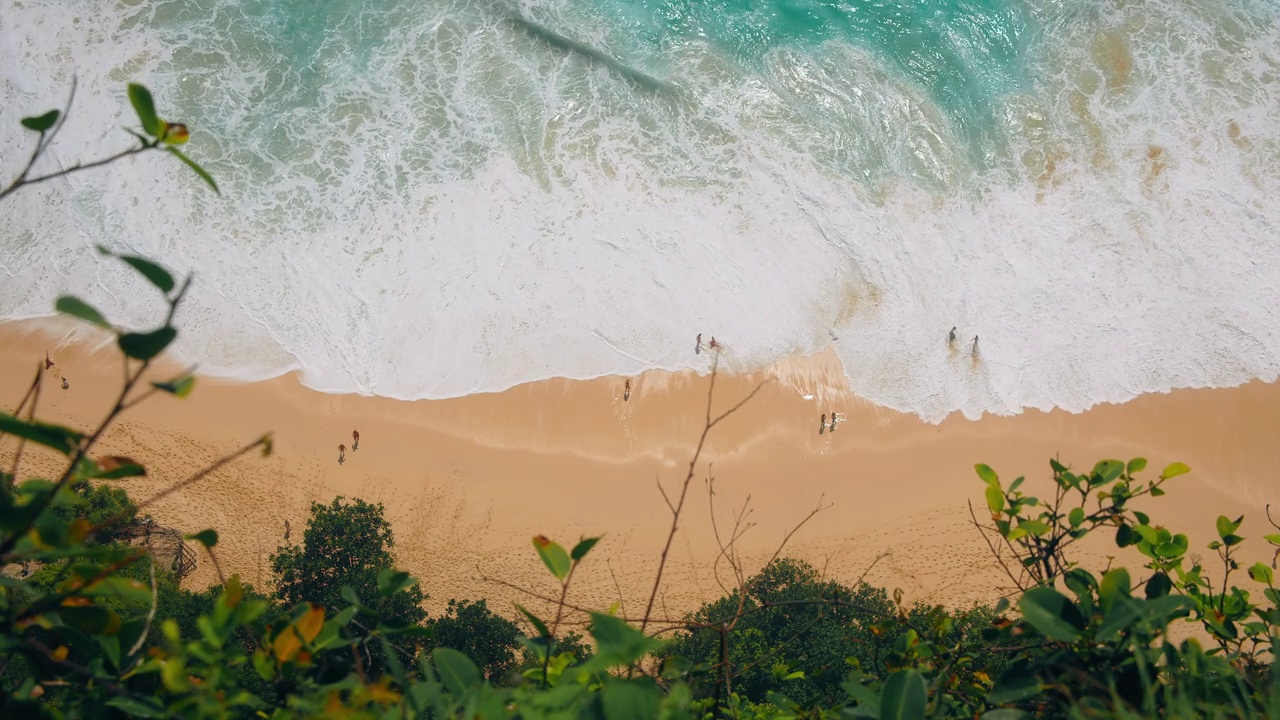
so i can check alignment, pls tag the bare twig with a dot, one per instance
(151, 616)
(34, 395)
(684, 490)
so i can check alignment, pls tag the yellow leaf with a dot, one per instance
(234, 591)
(61, 653)
(78, 529)
(286, 645)
(380, 693)
(289, 641)
(310, 625)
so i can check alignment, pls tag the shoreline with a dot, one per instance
(468, 481)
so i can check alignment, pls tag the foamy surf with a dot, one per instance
(434, 201)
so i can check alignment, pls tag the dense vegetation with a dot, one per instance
(91, 626)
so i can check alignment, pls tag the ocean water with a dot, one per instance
(428, 199)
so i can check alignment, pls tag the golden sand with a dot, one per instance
(467, 482)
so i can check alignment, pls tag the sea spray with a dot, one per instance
(428, 200)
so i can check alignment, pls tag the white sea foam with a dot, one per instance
(458, 206)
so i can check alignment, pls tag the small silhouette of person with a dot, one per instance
(975, 346)
(287, 530)
(713, 344)
(697, 349)
(65, 385)
(355, 440)
(951, 337)
(626, 391)
(822, 427)
(48, 363)
(833, 421)
(342, 454)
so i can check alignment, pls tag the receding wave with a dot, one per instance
(433, 199)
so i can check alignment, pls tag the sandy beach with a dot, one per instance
(467, 482)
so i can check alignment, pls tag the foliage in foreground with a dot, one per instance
(84, 632)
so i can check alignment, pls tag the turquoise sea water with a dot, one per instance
(424, 199)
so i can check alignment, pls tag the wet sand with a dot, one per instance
(468, 481)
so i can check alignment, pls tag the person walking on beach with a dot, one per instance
(975, 346)
(626, 391)
(342, 454)
(697, 349)
(287, 530)
(951, 337)
(65, 384)
(833, 421)
(822, 426)
(47, 362)
(355, 440)
(713, 344)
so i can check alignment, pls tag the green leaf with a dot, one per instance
(1052, 613)
(1015, 685)
(207, 538)
(137, 707)
(630, 699)
(1005, 714)
(64, 440)
(349, 595)
(1119, 617)
(995, 498)
(582, 548)
(1226, 526)
(1109, 470)
(1115, 584)
(41, 123)
(74, 306)
(1273, 539)
(1125, 536)
(1034, 527)
(204, 174)
(1076, 517)
(1137, 465)
(119, 587)
(905, 696)
(1261, 573)
(91, 619)
(392, 581)
(617, 643)
(1158, 586)
(144, 346)
(553, 556)
(537, 623)
(112, 467)
(179, 388)
(456, 670)
(1174, 470)
(140, 97)
(151, 271)
(987, 474)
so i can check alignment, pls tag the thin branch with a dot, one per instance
(684, 490)
(34, 395)
(179, 486)
(151, 616)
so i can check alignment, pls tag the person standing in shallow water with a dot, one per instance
(833, 421)
(626, 391)
(975, 346)
(822, 426)
(951, 337)
(697, 349)
(355, 440)
(342, 454)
